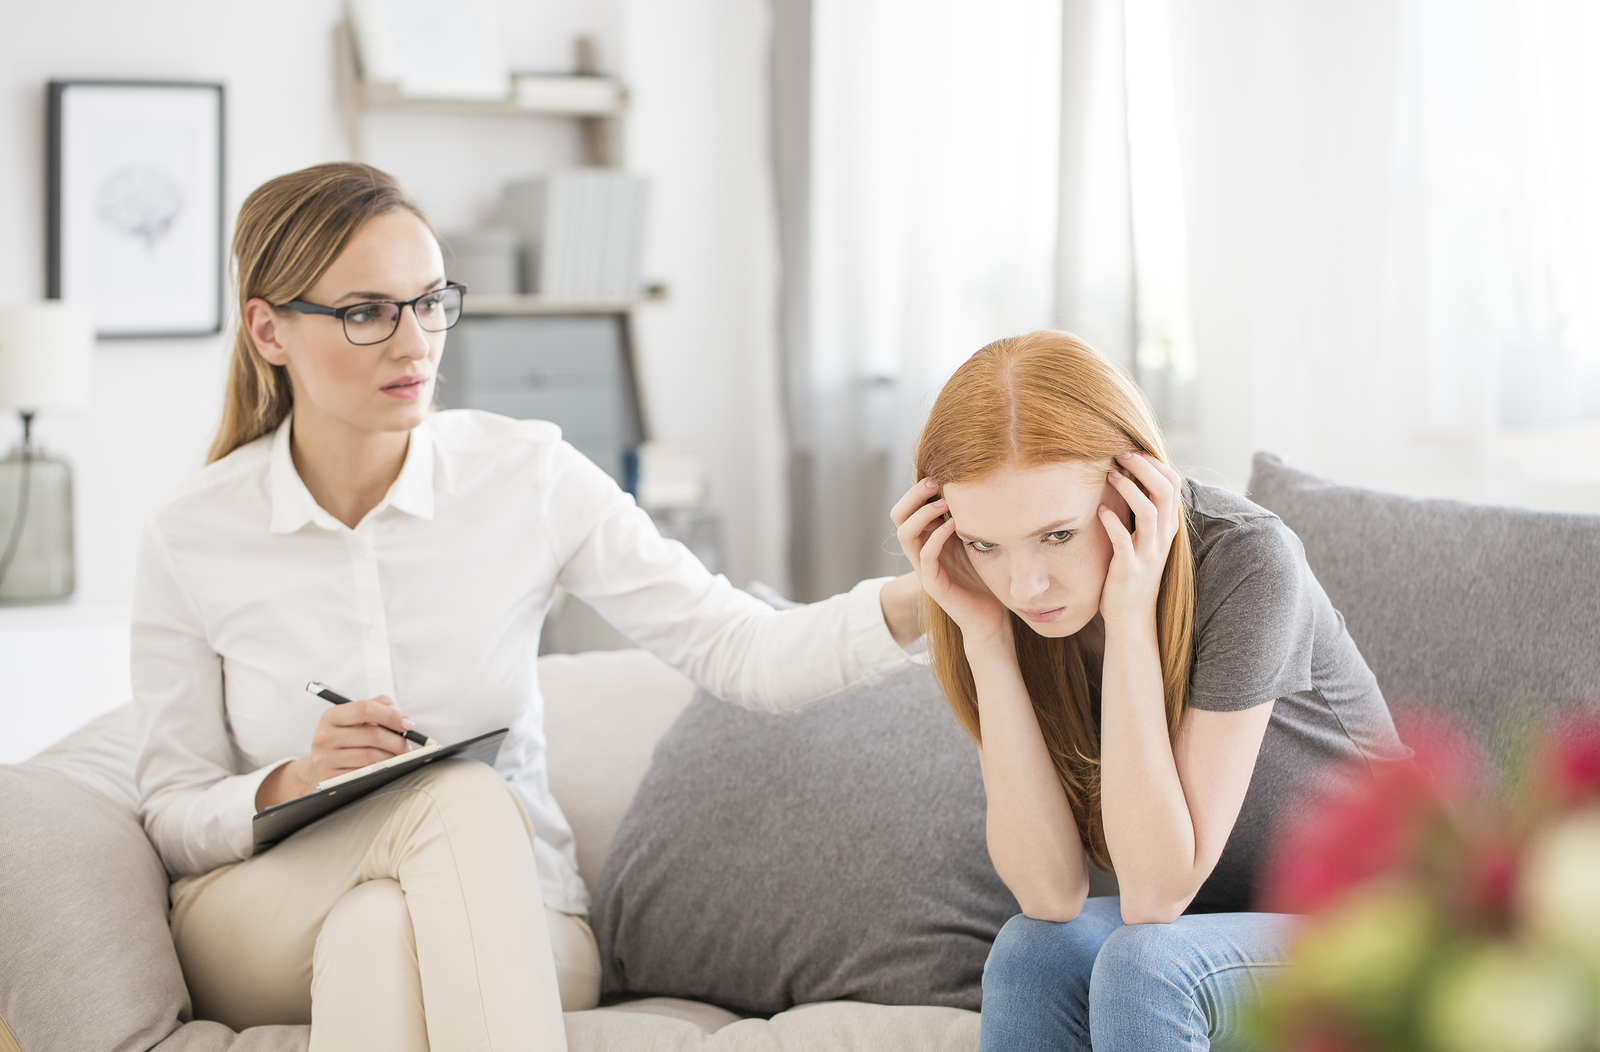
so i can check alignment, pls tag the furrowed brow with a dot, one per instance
(1064, 524)
(1053, 527)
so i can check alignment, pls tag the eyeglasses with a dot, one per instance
(374, 322)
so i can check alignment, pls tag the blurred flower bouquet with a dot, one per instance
(1444, 918)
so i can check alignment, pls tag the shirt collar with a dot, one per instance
(412, 491)
(293, 506)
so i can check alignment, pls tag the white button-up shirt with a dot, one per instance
(247, 589)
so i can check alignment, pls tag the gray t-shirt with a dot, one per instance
(1264, 630)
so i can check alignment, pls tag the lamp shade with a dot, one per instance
(45, 351)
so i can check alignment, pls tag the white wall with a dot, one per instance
(699, 81)
(699, 72)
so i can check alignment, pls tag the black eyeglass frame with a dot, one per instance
(400, 308)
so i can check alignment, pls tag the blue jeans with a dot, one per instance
(1095, 982)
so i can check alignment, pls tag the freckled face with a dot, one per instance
(1033, 536)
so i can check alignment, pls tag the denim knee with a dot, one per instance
(1038, 954)
(1187, 985)
(1137, 955)
(1141, 993)
(1036, 981)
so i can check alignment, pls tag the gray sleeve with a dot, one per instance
(1254, 619)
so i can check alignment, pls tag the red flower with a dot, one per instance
(1444, 751)
(1572, 758)
(1329, 1041)
(1336, 847)
(1344, 840)
(1488, 882)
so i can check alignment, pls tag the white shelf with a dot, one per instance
(70, 613)
(596, 101)
(389, 97)
(475, 304)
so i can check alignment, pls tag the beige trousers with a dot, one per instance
(408, 921)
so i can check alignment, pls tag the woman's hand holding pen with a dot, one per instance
(347, 738)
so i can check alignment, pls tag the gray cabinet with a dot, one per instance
(575, 370)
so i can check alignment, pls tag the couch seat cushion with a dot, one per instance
(671, 1025)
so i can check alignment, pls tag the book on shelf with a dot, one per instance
(581, 232)
(568, 93)
(429, 53)
(589, 210)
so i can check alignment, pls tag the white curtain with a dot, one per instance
(1393, 214)
(1500, 158)
(1363, 234)
(1123, 260)
(932, 190)
(1285, 117)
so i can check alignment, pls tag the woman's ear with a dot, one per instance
(266, 331)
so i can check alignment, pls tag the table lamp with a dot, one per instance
(45, 350)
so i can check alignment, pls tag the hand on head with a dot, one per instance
(1154, 492)
(924, 528)
(1060, 544)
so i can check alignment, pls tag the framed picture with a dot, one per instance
(135, 205)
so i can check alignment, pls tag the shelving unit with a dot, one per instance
(388, 96)
(571, 362)
(357, 97)
(568, 361)
(475, 304)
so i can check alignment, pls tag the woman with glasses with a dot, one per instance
(344, 532)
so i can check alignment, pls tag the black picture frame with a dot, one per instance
(134, 183)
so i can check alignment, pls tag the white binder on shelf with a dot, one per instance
(431, 51)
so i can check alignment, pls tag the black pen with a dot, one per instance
(327, 693)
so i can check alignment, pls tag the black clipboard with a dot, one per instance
(278, 821)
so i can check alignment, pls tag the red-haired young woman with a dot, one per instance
(1151, 673)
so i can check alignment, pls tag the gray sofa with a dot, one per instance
(1492, 612)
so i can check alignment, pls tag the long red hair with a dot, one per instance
(1042, 398)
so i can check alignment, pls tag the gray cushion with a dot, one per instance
(86, 957)
(1493, 612)
(836, 853)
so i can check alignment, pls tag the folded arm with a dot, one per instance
(1169, 807)
(1033, 836)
